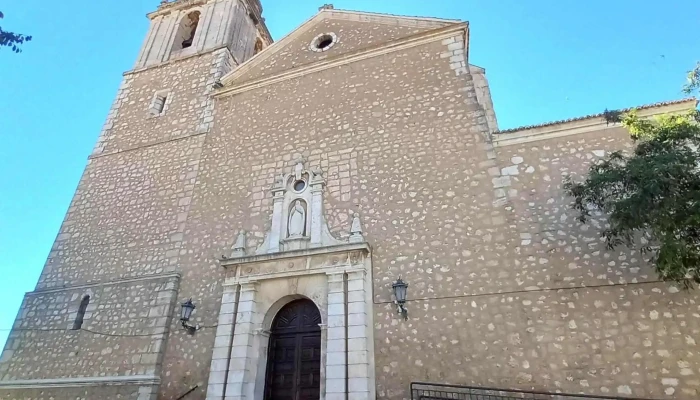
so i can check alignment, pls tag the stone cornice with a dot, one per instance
(583, 125)
(343, 59)
(137, 380)
(38, 292)
(167, 8)
(259, 258)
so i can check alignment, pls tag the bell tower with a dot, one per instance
(182, 28)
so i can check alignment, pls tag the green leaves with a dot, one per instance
(693, 78)
(652, 196)
(12, 40)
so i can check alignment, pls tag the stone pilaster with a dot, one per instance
(316, 213)
(335, 345)
(222, 344)
(275, 231)
(358, 337)
(241, 376)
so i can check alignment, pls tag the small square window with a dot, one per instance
(160, 101)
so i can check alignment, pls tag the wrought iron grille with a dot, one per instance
(436, 391)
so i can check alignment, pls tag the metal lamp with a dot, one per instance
(185, 314)
(400, 295)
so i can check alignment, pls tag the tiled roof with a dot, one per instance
(563, 121)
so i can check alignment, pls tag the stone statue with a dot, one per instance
(356, 235)
(297, 220)
(238, 249)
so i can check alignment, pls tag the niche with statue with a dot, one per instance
(298, 220)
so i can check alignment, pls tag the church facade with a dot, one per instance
(252, 211)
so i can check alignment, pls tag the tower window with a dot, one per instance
(185, 33)
(258, 46)
(253, 18)
(160, 102)
(78, 323)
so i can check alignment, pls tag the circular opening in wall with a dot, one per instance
(299, 186)
(323, 42)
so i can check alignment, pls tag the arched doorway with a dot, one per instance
(294, 354)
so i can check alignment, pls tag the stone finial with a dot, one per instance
(299, 169)
(356, 235)
(326, 7)
(238, 249)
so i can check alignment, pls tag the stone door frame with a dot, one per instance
(336, 279)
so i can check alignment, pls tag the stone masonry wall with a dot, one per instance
(129, 210)
(400, 139)
(80, 393)
(122, 334)
(131, 122)
(506, 290)
(554, 310)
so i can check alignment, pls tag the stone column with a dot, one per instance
(222, 344)
(324, 352)
(241, 376)
(262, 342)
(358, 353)
(316, 213)
(335, 342)
(277, 213)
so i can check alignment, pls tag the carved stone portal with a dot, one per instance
(299, 260)
(298, 220)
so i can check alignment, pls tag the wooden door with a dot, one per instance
(294, 354)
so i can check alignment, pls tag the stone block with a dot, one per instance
(335, 385)
(215, 390)
(336, 333)
(335, 358)
(240, 351)
(457, 45)
(220, 353)
(356, 285)
(358, 357)
(356, 307)
(512, 170)
(226, 319)
(336, 298)
(357, 331)
(359, 396)
(358, 384)
(500, 182)
(336, 345)
(335, 372)
(335, 321)
(355, 319)
(336, 309)
(358, 371)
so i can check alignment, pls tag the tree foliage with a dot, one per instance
(651, 196)
(12, 40)
(693, 82)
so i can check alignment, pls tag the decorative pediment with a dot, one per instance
(346, 33)
(298, 219)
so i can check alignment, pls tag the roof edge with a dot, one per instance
(585, 123)
(229, 81)
(376, 14)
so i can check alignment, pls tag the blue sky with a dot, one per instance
(545, 60)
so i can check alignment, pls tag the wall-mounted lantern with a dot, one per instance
(400, 295)
(185, 314)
